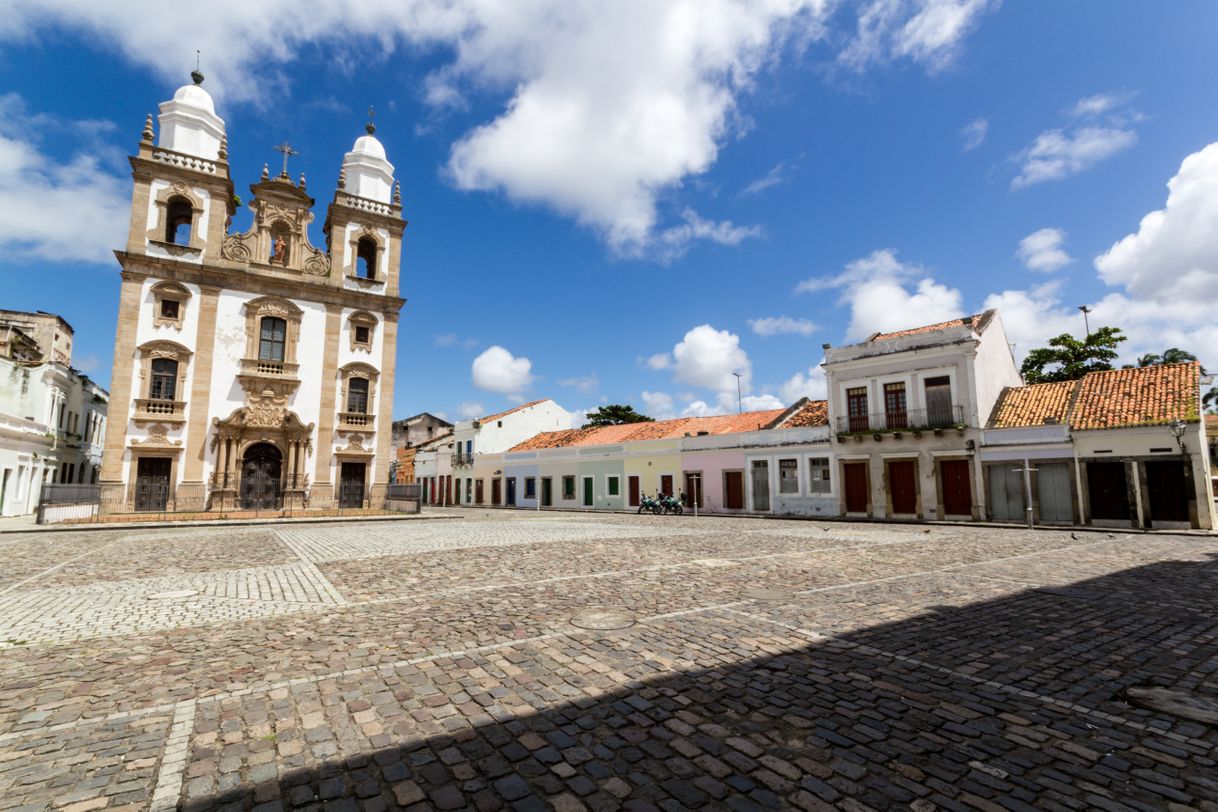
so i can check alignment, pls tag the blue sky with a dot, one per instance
(641, 198)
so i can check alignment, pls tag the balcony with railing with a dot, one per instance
(162, 411)
(913, 420)
(463, 460)
(268, 369)
(356, 421)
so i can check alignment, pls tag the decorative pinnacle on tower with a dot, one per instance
(342, 177)
(371, 125)
(224, 148)
(148, 131)
(195, 75)
(397, 193)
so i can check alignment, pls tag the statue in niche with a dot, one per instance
(279, 253)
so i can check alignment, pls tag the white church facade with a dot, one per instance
(252, 370)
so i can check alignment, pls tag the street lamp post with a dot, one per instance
(1086, 321)
(1027, 470)
(739, 408)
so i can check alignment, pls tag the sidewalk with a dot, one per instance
(26, 524)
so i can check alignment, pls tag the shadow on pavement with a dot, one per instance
(1013, 703)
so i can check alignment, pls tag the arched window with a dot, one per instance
(163, 383)
(365, 258)
(357, 396)
(178, 216)
(272, 338)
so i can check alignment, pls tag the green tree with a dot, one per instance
(1066, 358)
(1172, 355)
(614, 415)
(1209, 401)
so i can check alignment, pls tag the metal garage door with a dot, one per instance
(1006, 493)
(1055, 493)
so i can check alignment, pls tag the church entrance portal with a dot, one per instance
(262, 478)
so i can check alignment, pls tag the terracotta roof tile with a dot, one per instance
(813, 413)
(932, 328)
(1035, 405)
(1144, 396)
(657, 430)
(500, 415)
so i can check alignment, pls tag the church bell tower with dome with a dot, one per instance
(252, 370)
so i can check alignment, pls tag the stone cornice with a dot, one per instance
(237, 276)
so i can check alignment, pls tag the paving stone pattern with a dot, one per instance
(770, 664)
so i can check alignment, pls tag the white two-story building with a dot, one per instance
(906, 410)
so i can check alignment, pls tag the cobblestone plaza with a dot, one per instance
(511, 660)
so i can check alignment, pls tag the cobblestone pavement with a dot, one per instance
(748, 664)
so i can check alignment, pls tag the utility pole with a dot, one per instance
(739, 409)
(1086, 321)
(1027, 470)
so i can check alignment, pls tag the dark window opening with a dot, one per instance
(179, 214)
(939, 411)
(362, 335)
(365, 258)
(357, 396)
(170, 309)
(272, 339)
(164, 381)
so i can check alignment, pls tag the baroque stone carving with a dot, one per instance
(235, 248)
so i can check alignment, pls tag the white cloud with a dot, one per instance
(777, 175)
(674, 241)
(1169, 266)
(929, 32)
(805, 385)
(1042, 250)
(1097, 105)
(661, 360)
(614, 104)
(1031, 317)
(1057, 154)
(699, 408)
(497, 370)
(470, 410)
(658, 405)
(607, 108)
(778, 325)
(707, 357)
(452, 340)
(878, 290)
(757, 403)
(585, 384)
(73, 211)
(974, 133)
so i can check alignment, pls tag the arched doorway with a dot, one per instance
(262, 478)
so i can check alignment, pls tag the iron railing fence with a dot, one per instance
(462, 460)
(150, 498)
(939, 417)
(69, 493)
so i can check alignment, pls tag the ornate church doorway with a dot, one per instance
(262, 478)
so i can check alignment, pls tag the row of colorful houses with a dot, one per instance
(929, 423)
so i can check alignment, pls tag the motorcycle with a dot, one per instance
(673, 504)
(649, 505)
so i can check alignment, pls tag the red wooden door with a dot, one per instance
(733, 490)
(478, 491)
(496, 491)
(856, 487)
(634, 490)
(957, 492)
(666, 484)
(903, 486)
